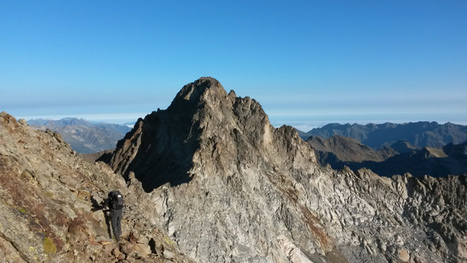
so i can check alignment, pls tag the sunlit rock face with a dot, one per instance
(49, 200)
(210, 180)
(229, 187)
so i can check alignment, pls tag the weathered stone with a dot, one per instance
(404, 255)
(230, 187)
(222, 185)
(48, 196)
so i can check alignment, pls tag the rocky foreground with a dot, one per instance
(220, 185)
(47, 200)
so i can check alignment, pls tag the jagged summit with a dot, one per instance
(224, 186)
(162, 147)
(232, 188)
(192, 92)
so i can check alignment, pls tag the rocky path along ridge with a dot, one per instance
(48, 197)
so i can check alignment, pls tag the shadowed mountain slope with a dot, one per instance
(232, 188)
(437, 162)
(346, 149)
(400, 158)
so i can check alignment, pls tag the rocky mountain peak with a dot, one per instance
(193, 92)
(221, 185)
(203, 118)
(232, 188)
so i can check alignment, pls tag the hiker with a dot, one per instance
(115, 204)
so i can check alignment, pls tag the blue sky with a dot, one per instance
(307, 62)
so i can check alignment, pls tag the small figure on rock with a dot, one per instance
(115, 204)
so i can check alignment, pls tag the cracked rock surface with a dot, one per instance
(210, 180)
(48, 197)
(232, 188)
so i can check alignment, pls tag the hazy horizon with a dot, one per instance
(304, 126)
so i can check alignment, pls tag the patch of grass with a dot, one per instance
(49, 246)
(168, 241)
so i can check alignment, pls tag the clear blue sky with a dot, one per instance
(307, 62)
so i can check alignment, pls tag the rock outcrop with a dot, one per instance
(49, 200)
(229, 187)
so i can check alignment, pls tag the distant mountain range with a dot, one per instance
(82, 135)
(399, 158)
(209, 179)
(419, 148)
(376, 136)
(346, 149)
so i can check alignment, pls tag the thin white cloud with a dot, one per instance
(119, 118)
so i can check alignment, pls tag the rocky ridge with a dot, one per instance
(49, 200)
(418, 134)
(437, 162)
(230, 187)
(346, 149)
(399, 158)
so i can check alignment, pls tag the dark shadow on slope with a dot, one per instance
(108, 222)
(160, 148)
(166, 151)
(96, 206)
(405, 163)
(435, 162)
(169, 139)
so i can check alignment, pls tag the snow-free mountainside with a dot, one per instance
(210, 180)
(84, 136)
(419, 134)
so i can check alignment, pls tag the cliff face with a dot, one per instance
(229, 187)
(49, 199)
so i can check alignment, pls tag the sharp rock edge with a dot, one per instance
(232, 188)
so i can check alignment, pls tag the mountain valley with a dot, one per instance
(376, 136)
(84, 136)
(397, 159)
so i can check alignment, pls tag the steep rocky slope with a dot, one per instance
(231, 188)
(346, 149)
(84, 136)
(49, 199)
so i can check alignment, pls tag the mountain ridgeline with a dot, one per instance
(50, 205)
(418, 134)
(232, 188)
(210, 180)
(84, 136)
(399, 158)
